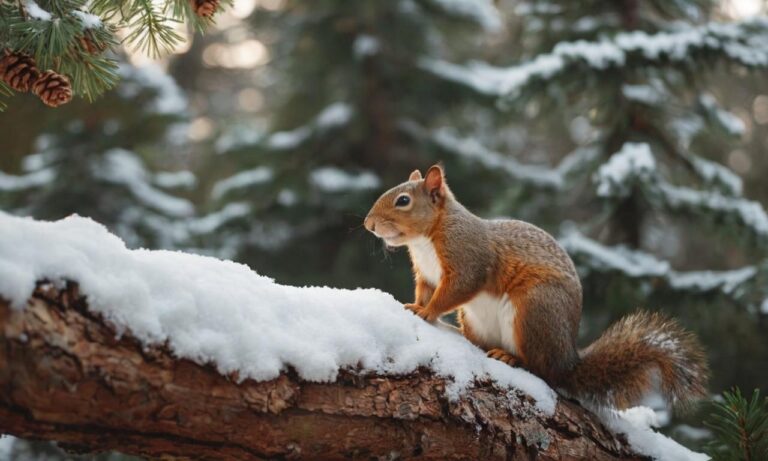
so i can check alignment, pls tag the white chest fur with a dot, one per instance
(424, 258)
(491, 320)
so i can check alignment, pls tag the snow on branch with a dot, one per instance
(634, 167)
(333, 116)
(632, 163)
(637, 264)
(123, 167)
(736, 210)
(743, 42)
(192, 356)
(470, 149)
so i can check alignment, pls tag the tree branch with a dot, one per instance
(65, 375)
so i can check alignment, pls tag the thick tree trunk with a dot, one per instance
(66, 376)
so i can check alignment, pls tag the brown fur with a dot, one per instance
(525, 263)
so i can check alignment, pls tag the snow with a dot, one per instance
(213, 221)
(365, 45)
(637, 424)
(28, 181)
(332, 116)
(222, 313)
(713, 172)
(483, 12)
(748, 212)
(473, 150)
(732, 124)
(639, 264)
(6, 446)
(332, 179)
(35, 12)
(89, 21)
(170, 98)
(175, 179)
(646, 94)
(725, 281)
(744, 42)
(120, 166)
(633, 161)
(631, 262)
(252, 177)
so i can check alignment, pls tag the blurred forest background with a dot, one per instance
(634, 131)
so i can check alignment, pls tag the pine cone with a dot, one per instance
(205, 8)
(53, 88)
(18, 70)
(90, 45)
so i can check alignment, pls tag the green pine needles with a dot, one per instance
(74, 37)
(740, 427)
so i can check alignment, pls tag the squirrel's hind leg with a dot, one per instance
(504, 356)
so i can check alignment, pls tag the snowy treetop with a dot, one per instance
(737, 41)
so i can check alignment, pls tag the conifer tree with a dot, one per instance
(95, 165)
(629, 78)
(346, 88)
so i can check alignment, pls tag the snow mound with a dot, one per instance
(221, 312)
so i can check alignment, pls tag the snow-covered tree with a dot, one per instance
(96, 167)
(344, 95)
(630, 79)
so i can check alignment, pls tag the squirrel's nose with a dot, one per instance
(370, 224)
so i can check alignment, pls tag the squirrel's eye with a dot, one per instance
(403, 200)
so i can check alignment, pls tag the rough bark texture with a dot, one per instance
(65, 376)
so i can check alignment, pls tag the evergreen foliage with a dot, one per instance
(346, 86)
(94, 167)
(740, 427)
(73, 37)
(630, 79)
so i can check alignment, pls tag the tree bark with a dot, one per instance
(65, 375)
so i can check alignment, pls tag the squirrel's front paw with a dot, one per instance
(421, 311)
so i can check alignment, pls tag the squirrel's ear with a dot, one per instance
(415, 176)
(434, 181)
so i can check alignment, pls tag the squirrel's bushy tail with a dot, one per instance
(620, 367)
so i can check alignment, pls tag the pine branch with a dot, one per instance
(740, 427)
(62, 36)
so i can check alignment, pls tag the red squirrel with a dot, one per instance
(519, 298)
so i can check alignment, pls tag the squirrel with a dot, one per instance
(519, 298)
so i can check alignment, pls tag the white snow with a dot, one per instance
(713, 172)
(28, 181)
(637, 424)
(247, 178)
(473, 150)
(365, 45)
(120, 166)
(6, 446)
(175, 179)
(483, 12)
(634, 161)
(647, 94)
(619, 258)
(332, 116)
(213, 221)
(728, 121)
(332, 179)
(35, 12)
(744, 42)
(89, 21)
(639, 264)
(170, 98)
(223, 313)
(749, 212)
